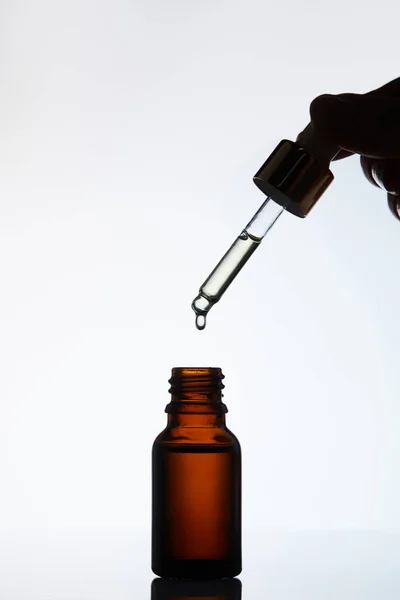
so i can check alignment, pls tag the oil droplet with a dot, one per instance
(244, 235)
(201, 305)
(200, 322)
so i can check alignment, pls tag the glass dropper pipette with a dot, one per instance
(234, 259)
(294, 177)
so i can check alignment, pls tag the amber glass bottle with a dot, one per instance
(196, 529)
(173, 589)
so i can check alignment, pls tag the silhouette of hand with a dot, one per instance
(367, 125)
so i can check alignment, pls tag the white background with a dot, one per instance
(129, 135)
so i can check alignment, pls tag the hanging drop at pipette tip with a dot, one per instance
(201, 305)
(201, 322)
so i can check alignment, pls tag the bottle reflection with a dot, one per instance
(225, 589)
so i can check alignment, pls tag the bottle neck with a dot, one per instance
(196, 398)
(196, 420)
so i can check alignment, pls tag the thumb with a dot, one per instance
(363, 124)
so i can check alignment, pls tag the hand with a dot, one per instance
(368, 125)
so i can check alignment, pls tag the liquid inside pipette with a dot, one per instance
(234, 260)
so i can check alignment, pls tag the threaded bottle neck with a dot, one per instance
(196, 390)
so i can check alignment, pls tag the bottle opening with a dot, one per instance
(196, 388)
(196, 379)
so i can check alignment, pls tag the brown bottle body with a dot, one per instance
(196, 528)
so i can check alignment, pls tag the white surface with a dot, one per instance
(129, 135)
(100, 564)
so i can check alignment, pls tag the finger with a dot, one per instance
(394, 205)
(362, 124)
(392, 88)
(342, 154)
(366, 165)
(389, 89)
(384, 173)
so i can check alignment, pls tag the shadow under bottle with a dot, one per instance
(196, 528)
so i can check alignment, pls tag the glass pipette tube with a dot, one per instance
(234, 259)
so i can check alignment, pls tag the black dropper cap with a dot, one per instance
(296, 174)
